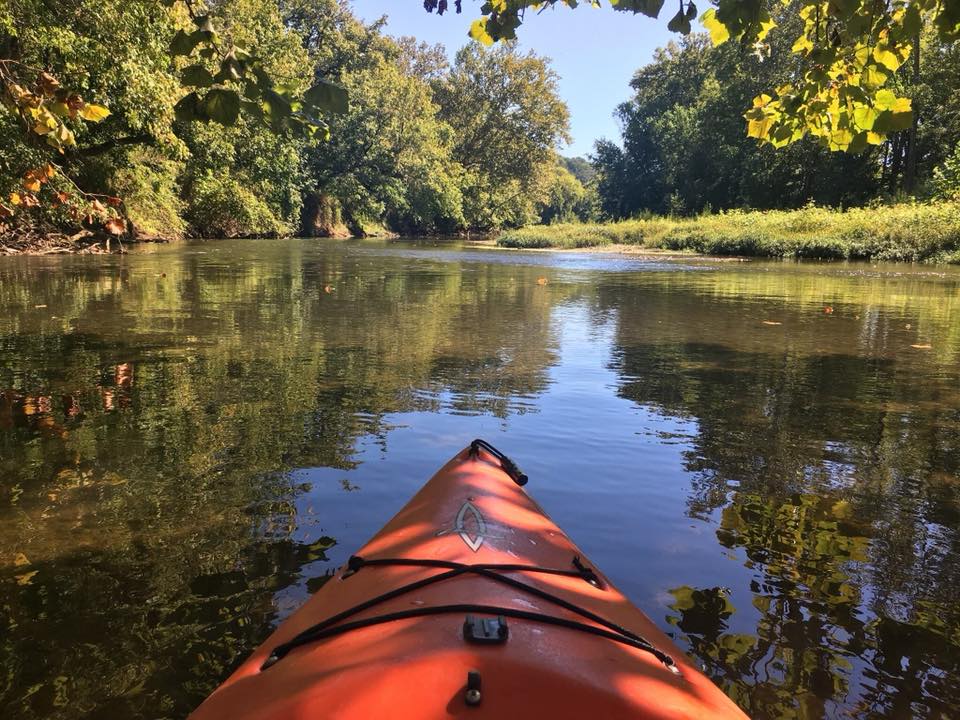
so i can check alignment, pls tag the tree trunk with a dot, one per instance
(910, 176)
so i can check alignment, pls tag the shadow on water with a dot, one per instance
(167, 421)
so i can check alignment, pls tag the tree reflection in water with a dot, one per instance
(830, 461)
(153, 411)
(158, 412)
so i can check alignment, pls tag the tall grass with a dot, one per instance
(907, 232)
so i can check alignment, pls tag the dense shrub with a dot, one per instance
(222, 206)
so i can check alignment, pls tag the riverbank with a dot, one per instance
(906, 233)
(52, 243)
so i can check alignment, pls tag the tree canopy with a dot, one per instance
(232, 117)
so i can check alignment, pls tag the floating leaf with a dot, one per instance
(19, 560)
(26, 578)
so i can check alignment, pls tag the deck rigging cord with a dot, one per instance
(334, 625)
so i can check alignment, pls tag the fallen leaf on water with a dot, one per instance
(922, 347)
(541, 281)
(39, 306)
(19, 560)
(26, 577)
(772, 322)
(828, 310)
(328, 289)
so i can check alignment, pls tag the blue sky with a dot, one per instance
(595, 52)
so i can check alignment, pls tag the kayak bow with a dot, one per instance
(469, 603)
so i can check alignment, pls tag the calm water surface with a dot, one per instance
(765, 457)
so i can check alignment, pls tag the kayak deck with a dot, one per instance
(469, 603)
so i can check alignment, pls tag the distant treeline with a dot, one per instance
(683, 149)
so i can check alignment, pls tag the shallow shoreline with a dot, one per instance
(621, 249)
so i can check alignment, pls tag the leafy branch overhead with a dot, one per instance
(226, 79)
(849, 52)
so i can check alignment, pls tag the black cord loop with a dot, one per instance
(508, 465)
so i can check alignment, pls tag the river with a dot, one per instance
(764, 456)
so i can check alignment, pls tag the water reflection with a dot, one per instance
(191, 438)
(830, 456)
(153, 409)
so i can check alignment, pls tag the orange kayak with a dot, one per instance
(469, 603)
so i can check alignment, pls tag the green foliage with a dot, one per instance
(683, 149)
(148, 184)
(580, 168)
(389, 158)
(507, 118)
(945, 184)
(222, 206)
(912, 232)
(847, 54)
(564, 198)
(151, 64)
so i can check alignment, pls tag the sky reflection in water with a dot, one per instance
(763, 456)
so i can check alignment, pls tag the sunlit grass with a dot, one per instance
(908, 232)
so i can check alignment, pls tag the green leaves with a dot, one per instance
(327, 97)
(479, 32)
(189, 108)
(197, 76)
(93, 113)
(184, 44)
(239, 71)
(848, 51)
(222, 106)
(679, 24)
(718, 31)
(650, 8)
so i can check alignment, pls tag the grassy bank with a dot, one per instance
(908, 232)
